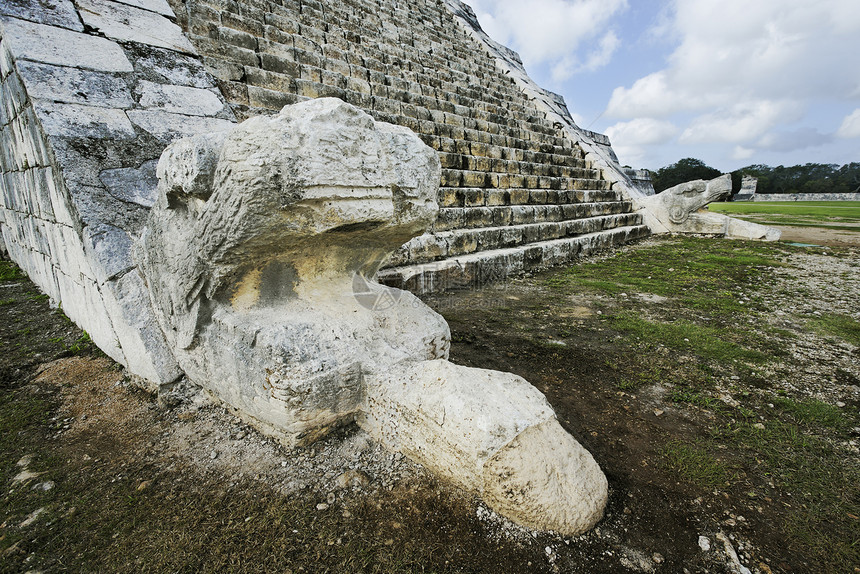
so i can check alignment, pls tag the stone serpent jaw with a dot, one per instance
(269, 303)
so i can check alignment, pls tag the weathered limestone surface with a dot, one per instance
(748, 187)
(257, 253)
(682, 209)
(490, 432)
(251, 249)
(512, 159)
(78, 169)
(120, 21)
(640, 180)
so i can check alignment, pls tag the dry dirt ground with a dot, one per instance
(717, 384)
(818, 236)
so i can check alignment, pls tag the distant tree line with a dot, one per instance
(807, 178)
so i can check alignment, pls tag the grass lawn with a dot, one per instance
(842, 215)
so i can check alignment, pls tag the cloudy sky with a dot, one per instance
(731, 82)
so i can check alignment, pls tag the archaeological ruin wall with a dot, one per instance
(90, 95)
(521, 186)
(94, 90)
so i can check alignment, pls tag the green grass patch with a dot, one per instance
(81, 345)
(700, 273)
(706, 342)
(6, 302)
(694, 464)
(812, 413)
(795, 448)
(839, 215)
(693, 397)
(10, 272)
(823, 209)
(838, 325)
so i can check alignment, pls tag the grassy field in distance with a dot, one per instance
(841, 215)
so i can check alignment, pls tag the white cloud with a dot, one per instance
(793, 140)
(631, 140)
(657, 95)
(569, 35)
(743, 69)
(567, 66)
(741, 153)
(643, 131)
(741, 122)
(850, 127)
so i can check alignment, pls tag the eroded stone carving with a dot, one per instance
(682, 209)
(256, 254)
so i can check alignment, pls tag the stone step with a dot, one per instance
(511, 160)
(504, 215)
(469, 271)
(584, 191)
(456, 242)
(491, 179)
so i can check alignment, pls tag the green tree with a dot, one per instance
(806, 178)
(682, 171)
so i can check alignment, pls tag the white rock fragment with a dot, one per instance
(32, 518)
(704, 543)
(734, 561)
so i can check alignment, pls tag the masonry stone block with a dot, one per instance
(71, 85)
(133, 185)
(282, 64)
(237, 38)
(129, 24)
(76, 120)
(51, 45)
(179, 99)
(168, 126)
(271, 99)
(60, 13)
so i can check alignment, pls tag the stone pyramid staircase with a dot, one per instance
(516, 191)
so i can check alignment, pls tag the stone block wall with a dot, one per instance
(91, 94)
(513, 174)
